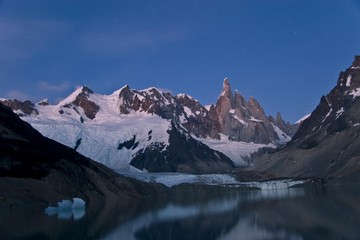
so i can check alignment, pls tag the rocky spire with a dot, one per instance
(256, 109)
(237, 100)
(279, 118)
(86, 90)
(242, 120)
(226, 91)
(356, 63)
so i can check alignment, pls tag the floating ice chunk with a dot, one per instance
(68, 209)
(65, 204)
(78, 203)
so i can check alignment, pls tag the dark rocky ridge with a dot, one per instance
(334, 103)
(26, 107)
(327, 143)
(184, 154)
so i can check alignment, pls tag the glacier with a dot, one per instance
(100, 138)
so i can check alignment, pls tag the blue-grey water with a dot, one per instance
(311, 212)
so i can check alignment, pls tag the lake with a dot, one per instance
(308, 212)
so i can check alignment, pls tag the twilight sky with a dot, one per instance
(285, 53)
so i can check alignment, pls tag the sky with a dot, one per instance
(284, 53)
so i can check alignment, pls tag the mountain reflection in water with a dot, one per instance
(309, 212)
(295, 213)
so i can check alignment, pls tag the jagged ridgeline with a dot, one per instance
(153, 130)
(327, 142)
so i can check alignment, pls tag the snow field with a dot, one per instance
(236, 151)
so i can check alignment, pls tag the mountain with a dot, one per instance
(243, 120)
(37, 171)
(327, 142)
(155, 131)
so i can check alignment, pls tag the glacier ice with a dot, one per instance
(68, 209)
(173, 179)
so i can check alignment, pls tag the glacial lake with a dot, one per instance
(308, 212)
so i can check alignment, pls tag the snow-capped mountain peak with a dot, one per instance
(80, 98)
(154, 130)
(74, 95)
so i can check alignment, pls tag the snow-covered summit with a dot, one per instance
(71, 97)
(153, 130)
(303, 118)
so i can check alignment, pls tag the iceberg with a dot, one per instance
(68, 209)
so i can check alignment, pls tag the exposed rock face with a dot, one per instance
(196, 118)
(243, 120)
(151, 101)
(181, 109)
(82, 100)
(184, 154)
(286, 127)
(335, 103)
(44, 102)
(22, 108)
(232, 117)
(327, 143)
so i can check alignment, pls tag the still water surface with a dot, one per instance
(311, 212)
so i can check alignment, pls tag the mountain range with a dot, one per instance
(327, 142)
(153, 130)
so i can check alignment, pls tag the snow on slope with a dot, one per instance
(303, 119)
(283, 137)
(236, 151)
(101, 136)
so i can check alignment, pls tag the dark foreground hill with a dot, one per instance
(36, 171)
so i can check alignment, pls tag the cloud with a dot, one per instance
(123, 41)
(16, 94)
(63, 86)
